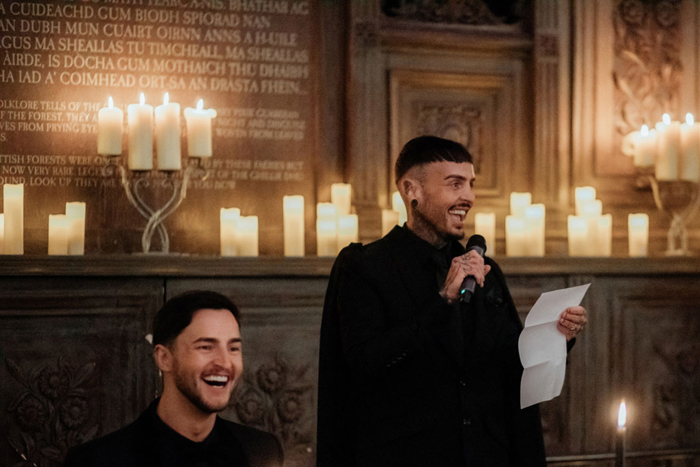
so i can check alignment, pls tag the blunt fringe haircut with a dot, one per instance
(426, 149)
(177, 313)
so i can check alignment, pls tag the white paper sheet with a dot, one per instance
(543, 348)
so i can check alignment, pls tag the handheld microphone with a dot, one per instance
(476, 243)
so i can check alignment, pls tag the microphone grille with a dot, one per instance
(477, 240)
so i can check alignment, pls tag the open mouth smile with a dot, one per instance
(460, 213)
(216, 381)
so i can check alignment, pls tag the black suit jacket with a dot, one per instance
(139, 445)
(407, 380)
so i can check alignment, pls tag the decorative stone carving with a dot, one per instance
(647, 66)
(278, 398)
(51, 413)
(471, 12)
(459, 122)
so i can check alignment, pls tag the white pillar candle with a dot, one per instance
(668, 148)
(535, 216)
(293, 213)
(591, 212)
(347, 230)
(582, 195)
(247, 235)
(327, 211)
(390, 218)
(75, 213)
(227, 231)
(516, 236)
(485, 225)
(341, 196)
(58, 234)
(604, 235)
(13, 203)
(140, 135)
(199, 130)
(690, 150)
(326, 237)
(577, 235)
(519, 202)
(110, 127)
(638, 233)
(399, 206)
(2, 233)
(168, 135)
(645, 148)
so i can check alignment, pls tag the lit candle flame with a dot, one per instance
(667, 119)
(689, 119)
(200, 104)
(645, 131)
(166, 98)
(110, 102)
(622, 415)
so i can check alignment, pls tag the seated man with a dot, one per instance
(197, 347)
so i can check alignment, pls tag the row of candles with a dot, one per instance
(66, 231)
(672, 147)
(110, 129)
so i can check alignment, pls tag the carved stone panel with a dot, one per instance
(280, 325)
(74, 362)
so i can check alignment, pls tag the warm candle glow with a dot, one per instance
(326, 237)
(390, 218)
(110, 126)
(398, 206)
(140, 118)
(199, 130)
(347, 230)
(485, 225)
(582, 195)
(666, 119)
(622, 415)
(341, 196)
(689, 119)
(247, 236)
(516, 236)
(110, 102)
(293, 225)
(168, 135)
(166, 99)
(227, 231)
(13, 203)
(200, 104)
(2, 233)
(519, 203)
(638, 234)
(58, 234)
(75, 215)
(645, 131)
(142, 99)
(327, 211)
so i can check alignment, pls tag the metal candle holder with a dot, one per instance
(134, 181)
(679, 199)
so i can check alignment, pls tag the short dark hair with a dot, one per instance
(427, 149)
(177, 313)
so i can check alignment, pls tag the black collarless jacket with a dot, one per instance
(407, 380)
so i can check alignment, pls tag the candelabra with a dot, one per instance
(680, 200)
(134, 182)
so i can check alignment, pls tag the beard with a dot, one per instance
(190, 392)
(423, 217)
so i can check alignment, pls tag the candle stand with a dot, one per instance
(134, 182)
(679, 199)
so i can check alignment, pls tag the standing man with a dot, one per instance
(197, 347)
(410, 375)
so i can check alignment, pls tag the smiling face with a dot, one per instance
(444, 194)
(205, 361)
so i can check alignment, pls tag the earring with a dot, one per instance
(414, 203)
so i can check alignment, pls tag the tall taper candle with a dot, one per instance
(168, 135)
(75, 213)
(140, 135)
(13, 204)
(293, 214)
(620, 436)
(110, 126)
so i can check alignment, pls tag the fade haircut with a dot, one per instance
(177, 313)
(426, 149)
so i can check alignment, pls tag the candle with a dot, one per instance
(645, 147)
(2, 233)
(668, 148)
(341, 196)
(535, 216)
(227, 230)
(591, 212)
(519, 202)
(516, 236)
(583, 195)
(199, 130)
(620, 436)
(400, 207)
(247, 235)
(293, 214)
(485, 225)
(140, 135)
(327, 211)
(110, 126)
(638, 234)
(690, 150)
(326, 237)
(347, 230)
(390, 219)
(578, 235)
(13, 203)
(58, 234)
(75, 214)
(604, 246)
(168, 135)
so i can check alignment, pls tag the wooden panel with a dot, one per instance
(75, 363)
